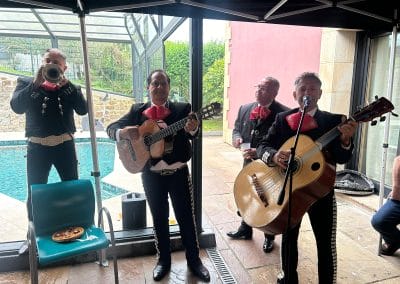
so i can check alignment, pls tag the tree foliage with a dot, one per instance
(111, 67)
(213, 86)
(177, 66)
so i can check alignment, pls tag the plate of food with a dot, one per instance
(68, 234)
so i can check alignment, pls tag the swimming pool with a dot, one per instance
(13, 166)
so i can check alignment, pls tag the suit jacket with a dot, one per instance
(181, 145)
(49, 122)
(280, 132)
(253, 131)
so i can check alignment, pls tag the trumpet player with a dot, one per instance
(48, 101)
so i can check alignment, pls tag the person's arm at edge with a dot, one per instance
(22, 95)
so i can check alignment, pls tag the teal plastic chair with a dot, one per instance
(56, 206)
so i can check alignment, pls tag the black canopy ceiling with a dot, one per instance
(372, 15)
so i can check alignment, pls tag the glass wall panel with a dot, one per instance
(166, 20)
(152, 27)
(22, 56)
(177, 62)
(112, 77)
(378, 86)
(156, 59)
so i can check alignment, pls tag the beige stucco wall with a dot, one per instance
(336, 69)
(107, 108)
(226, 131)
(9, 121)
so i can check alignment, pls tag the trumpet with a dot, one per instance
(52, 73)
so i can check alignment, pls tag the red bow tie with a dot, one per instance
(47, 86)
(309, 122)
(259, 112)
(156, 112)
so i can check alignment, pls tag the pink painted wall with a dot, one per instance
(259, 50)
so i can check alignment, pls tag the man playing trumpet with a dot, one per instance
(49, 101)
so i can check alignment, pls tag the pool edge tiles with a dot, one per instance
(115, 190)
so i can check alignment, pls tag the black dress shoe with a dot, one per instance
(389, 249)
(160, 271)
(243, 232)
(268, 245)
(200, 271)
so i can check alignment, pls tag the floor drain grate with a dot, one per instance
(220, 266)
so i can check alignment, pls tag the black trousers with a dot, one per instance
(322, 216)
(179, 188)
(40, 159)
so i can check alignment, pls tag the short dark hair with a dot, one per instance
(158, 71)
(56, 50)
(273, 80)
(308, 75)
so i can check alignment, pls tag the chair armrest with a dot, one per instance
(113, 246)
(108, 215)
(31, 231)
(109, 220)
(33, 257)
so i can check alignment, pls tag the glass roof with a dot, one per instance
(110, 26)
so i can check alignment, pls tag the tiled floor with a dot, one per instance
(357, 242)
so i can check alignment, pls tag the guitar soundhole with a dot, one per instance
(295, 166)
(315, 166)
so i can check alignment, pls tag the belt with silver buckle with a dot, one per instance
(167, 172)
(52, 140)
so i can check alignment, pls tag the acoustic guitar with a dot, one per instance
(135, 153)
(258, 187)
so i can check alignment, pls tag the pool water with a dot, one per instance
(13, 166)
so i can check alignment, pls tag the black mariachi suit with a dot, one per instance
(252, 131)
(45, 121)
(322, 213)
(178, 185)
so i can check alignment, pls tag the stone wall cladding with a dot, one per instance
(107, 108)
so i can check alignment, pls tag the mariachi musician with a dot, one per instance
(323, 212)
(168, 174)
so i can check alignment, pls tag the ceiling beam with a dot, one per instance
(219, 9)
(144, 4)
(42, 4)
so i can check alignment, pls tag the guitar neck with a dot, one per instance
(332, 134)
(205, 112)
(327, 138)
(173, 128)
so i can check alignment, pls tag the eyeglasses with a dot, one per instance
(263, 88)
(156, 84)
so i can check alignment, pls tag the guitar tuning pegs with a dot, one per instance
(373, 122)
(394, 114)
(382, 118)
(376, 98)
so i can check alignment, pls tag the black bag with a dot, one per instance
(353, 183)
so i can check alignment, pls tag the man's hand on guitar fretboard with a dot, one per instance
(192, 123)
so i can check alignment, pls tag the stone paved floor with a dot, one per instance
(357, 242)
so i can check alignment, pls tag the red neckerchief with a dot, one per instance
(309, 122)
(260, 112)
(156, 112)
(47, 86)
